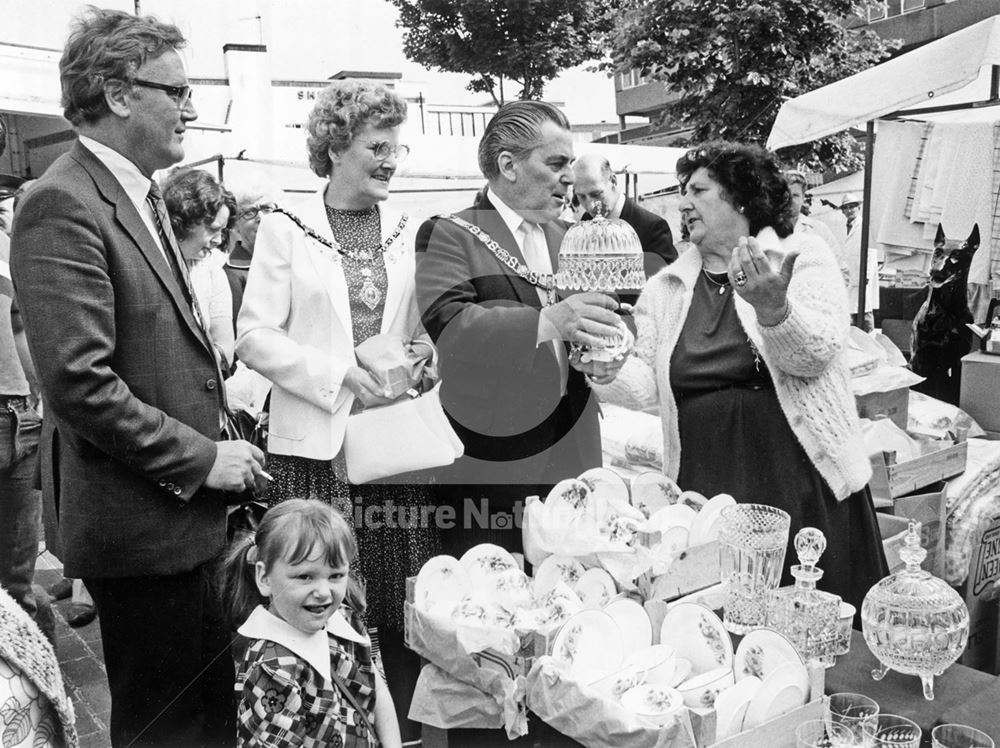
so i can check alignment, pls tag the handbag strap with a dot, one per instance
(353, 701)
(544, 281)
(313, 234)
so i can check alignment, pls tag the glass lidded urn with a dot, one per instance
(808, 617)
(603, 254)
(914, 622)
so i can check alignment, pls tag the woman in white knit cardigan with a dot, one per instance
(741, 345)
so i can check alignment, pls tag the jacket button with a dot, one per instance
(162, 482)
(210, 384)
(177, 490)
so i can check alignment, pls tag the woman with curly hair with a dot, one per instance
(201, 211)
(328, 274)
(741, 342)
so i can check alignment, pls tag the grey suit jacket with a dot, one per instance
(131, 390)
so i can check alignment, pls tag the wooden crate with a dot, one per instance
(694, 569)
(893, 480)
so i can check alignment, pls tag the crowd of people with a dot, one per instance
(153, 309)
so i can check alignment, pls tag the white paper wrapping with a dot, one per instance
(591, 719)
(495, 688)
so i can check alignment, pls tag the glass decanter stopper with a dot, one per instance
(913, 622)
(808, 617)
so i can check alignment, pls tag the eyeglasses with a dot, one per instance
(255, 210)
(180, 94)
(385, 149)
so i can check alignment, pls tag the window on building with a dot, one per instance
(877, 10)
(911, 5)
(630, 79)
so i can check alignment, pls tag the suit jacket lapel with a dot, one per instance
(130, 220)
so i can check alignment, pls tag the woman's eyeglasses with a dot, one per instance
(253, 211)
(384, 149)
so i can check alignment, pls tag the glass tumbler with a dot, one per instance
(960, 736)
(893, 731)
(817, 733)
(752, 542)
(853, 711)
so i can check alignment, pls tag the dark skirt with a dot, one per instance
(736, 440)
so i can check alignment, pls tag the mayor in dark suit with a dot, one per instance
(596, 182)
(521, 406)
(131, 386)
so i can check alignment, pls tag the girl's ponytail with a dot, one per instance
(239, 587)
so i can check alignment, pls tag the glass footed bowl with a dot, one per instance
(603, 254)
(914, 622)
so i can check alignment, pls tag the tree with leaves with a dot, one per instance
(498, 42)
(735, 61)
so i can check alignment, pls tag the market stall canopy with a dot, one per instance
(957, 65)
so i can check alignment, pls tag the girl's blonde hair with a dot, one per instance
(288, 532)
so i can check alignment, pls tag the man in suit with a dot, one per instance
(595, 182)
(520, 405)
(131, 386)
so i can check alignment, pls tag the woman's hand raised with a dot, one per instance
(758, 284)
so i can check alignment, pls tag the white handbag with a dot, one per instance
(403, 436)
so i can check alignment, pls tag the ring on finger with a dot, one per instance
(740, 279)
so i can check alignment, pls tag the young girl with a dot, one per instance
(307, 677)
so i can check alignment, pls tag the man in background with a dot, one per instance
(596, 182)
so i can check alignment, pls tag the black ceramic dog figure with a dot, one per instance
(940, 336)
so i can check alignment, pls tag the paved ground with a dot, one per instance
(82, 662)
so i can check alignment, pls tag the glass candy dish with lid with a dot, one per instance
(603, 254)
(808, 617)
(913, 622)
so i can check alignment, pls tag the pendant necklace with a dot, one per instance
(723, 287)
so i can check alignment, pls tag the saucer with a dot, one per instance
(761, 652)
(707, 522)
(632, 619)
(607, 484)
(486, 559)
(556, 568)
(590, 645)
(731, 707)
(695, 632)
(655, 704)
(442, 581)
(771, 701)
(596, 588)
(652, 491)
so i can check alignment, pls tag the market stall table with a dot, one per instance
(961, 695)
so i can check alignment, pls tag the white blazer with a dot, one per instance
(295, 325)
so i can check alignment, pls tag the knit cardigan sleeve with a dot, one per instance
(635, 385)
(815, 331)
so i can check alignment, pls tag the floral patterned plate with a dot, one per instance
(674, 525)
(555, 568)
(486, 559)
(441, 583)
(590, 645)
(652, 491)
(596, 588)
(607, 484)
(696, 633)
(653, 703)
(761, 652)
(570, 494)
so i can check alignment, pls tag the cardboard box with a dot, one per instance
(694, 569)
(981, 592)
(893, 405)
(929, 509)
(893, 530)
(980, 393)
(892, 480)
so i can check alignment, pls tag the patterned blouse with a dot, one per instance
(284, 701)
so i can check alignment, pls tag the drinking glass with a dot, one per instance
(817, 733)
(960, 736)
(893, 731)
(844, 627)
(854, 711)
(752, 542)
